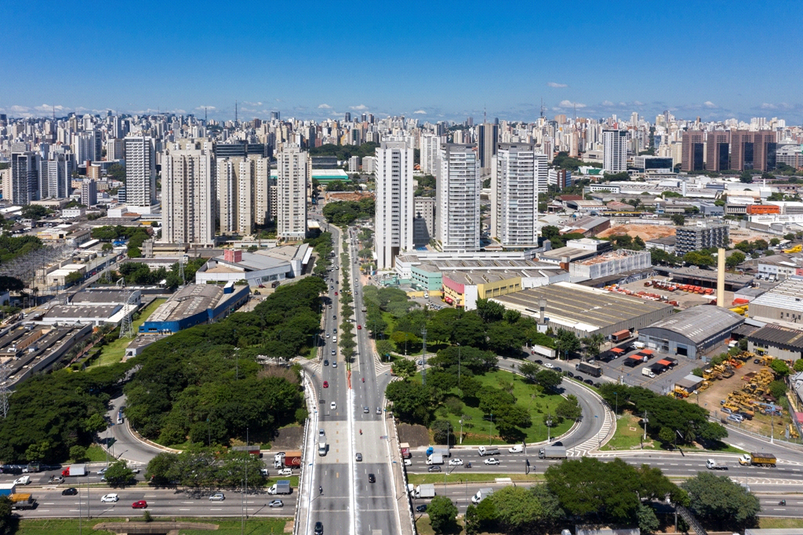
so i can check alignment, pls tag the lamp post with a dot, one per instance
(548, 427)
(461, 429)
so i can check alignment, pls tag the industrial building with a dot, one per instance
(95, 307)
(583, 310)
(611, 263)
(776, 341)
(692, 331)
(257, 269)
(783, 304)
(706, 278)
(193, 305)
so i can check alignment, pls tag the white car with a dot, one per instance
(333, 405)
(217, 497)
(24, 480)
(491, 461)
(408, 462)
(109, 498)
(286, 472)
(516, 449)
(455, 462)
(276, 503)
(549, 365)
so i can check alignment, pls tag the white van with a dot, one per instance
(648, 372)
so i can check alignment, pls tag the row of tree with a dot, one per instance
(343, 213)
(202, 468)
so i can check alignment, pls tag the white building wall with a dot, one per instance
(291, 213)
(188, 195)
(458, 198)
(140, 171)
(393, 232)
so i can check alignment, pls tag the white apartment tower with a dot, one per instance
(239, 197)
(188, 196)
(393, 230)
(614, 150)
(291, 183)
(140, 171)
(457, 209)
(430, 144)
(514, 194)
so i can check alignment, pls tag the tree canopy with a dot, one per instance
(721, 503)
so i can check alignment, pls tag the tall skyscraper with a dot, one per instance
(89, 192)
(291, 182)
(55, 175)
(393, 229)
(692, 151)
(753, 150)
(140, 171)
(24, 177)
(188, 196)
(717, 151)
(430, 144)
(457, 210)
(614, 150)
(237, 179)
(487, 139)
(88, 146)
(514, 194)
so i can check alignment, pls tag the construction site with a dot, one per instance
(736, 391)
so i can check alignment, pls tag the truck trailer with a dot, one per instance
(552, 452)
(758, 459)
(711, 464)
(481, 495)
(425, 491)
(7, 489)
(435, 458)
(281, 487)
(443, 451)
(22, 501)
(590, 369)
(290, 459)
(74, 470)
(490, 450)
(405, 450)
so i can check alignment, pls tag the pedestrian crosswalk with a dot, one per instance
(596, 442)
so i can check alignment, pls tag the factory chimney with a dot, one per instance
(721, 277)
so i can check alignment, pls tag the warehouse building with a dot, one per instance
(193, 305)
(583, 310)
(608, 264)
(776, 341)
(692, 331)
(783, 304)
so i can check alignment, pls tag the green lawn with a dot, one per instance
(628, 435)
(462, 476)
(114, 352)
(476, 428)
(227, 526)
(767, 522)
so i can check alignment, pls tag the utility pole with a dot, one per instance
(645, 427)
(424, 357)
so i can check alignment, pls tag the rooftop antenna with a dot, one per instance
(204, 114)
(542, 107)
(484, 115)
(4, 392)
(235, 112)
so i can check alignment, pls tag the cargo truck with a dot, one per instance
(435, 458)
(74, 470)
(481, 495)
(483, 451)
(22, 501)
(443, 451)
(591, 369)
(405, 450)
(425, 491)
(281, 487)
(7, 489)
(711, 464)
(757, 459)
(552, 452)
(290, 459)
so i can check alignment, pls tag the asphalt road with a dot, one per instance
(125, 445)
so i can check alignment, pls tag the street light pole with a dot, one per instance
(461, 429)
(548, 427)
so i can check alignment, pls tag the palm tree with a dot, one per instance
(593, 344)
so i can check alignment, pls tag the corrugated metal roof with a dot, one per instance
(699, 323)
(779, 336)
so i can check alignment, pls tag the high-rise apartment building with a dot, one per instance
(188, 196)
(291, 182)
(393, 227)
(487, 139)
(717, 151)
(430, 144)
(89, 192)
(457, 209)
(140, 171)
(423, 220)
(88, 146)
(55, 175)
(614, 151)
(237, 193)
(514, 194)
(753, 150)
(24, 178)
(697, 237)
(692, 153)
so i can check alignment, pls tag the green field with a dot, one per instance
(629, 435)
(114, 352)
(258, 526)
(476, 428)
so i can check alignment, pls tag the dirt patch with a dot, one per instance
(347, 196)
(288, 438)
(414, 435)
(647, 232)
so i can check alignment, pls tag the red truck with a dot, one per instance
(290, 459)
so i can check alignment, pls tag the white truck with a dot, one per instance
(711, 464)
(281, 487)
(481, 495)
(425, 491)
(322, 447)
(483, 451)
(648, 372)
(435, 458)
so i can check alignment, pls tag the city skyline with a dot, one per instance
(435, 62)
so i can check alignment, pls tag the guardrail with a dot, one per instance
(399, 462)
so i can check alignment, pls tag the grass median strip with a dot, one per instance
(462, 477)
(70, 526)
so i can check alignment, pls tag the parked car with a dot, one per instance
(549, 365)
(518, 448)
(421, 508)
(217, 497)
(379, 410)
(589, 382)
(139, 504)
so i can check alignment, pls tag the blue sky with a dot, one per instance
(433, 60)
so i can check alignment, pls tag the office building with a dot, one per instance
(89, 192)
(692, 153)
(514, 195)
(430, 144)
(614, 151)
(457, 206)
(140, 171)
(291, 183)
(487, 140)
(753, 150)
(393, 227)
(24, 178)
(188, 196)
(561, 178)
(694, 238)
(717, 151)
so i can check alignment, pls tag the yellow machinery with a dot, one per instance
(796, 249)
(793, 431)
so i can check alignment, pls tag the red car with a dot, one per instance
(359, 327)
(326, 384)
(335, 293)
(139, 504)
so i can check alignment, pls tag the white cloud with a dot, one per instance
(638, 103)
(709, 104)
(206, 107)
(252, 103)
(48, 108)
(556, 84)
(767, 106)
(324, 107)
(420, 112)
(360, 107)
(19, 109)
(570, 104)
(607, 103)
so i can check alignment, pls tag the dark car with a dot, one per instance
(421, 508)
(558, 369)
(371, 478)
(539, 361)
(434, 468)
(318, 528)
(72, 491)
(570, 374)
(326, 362)
(588, 382)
